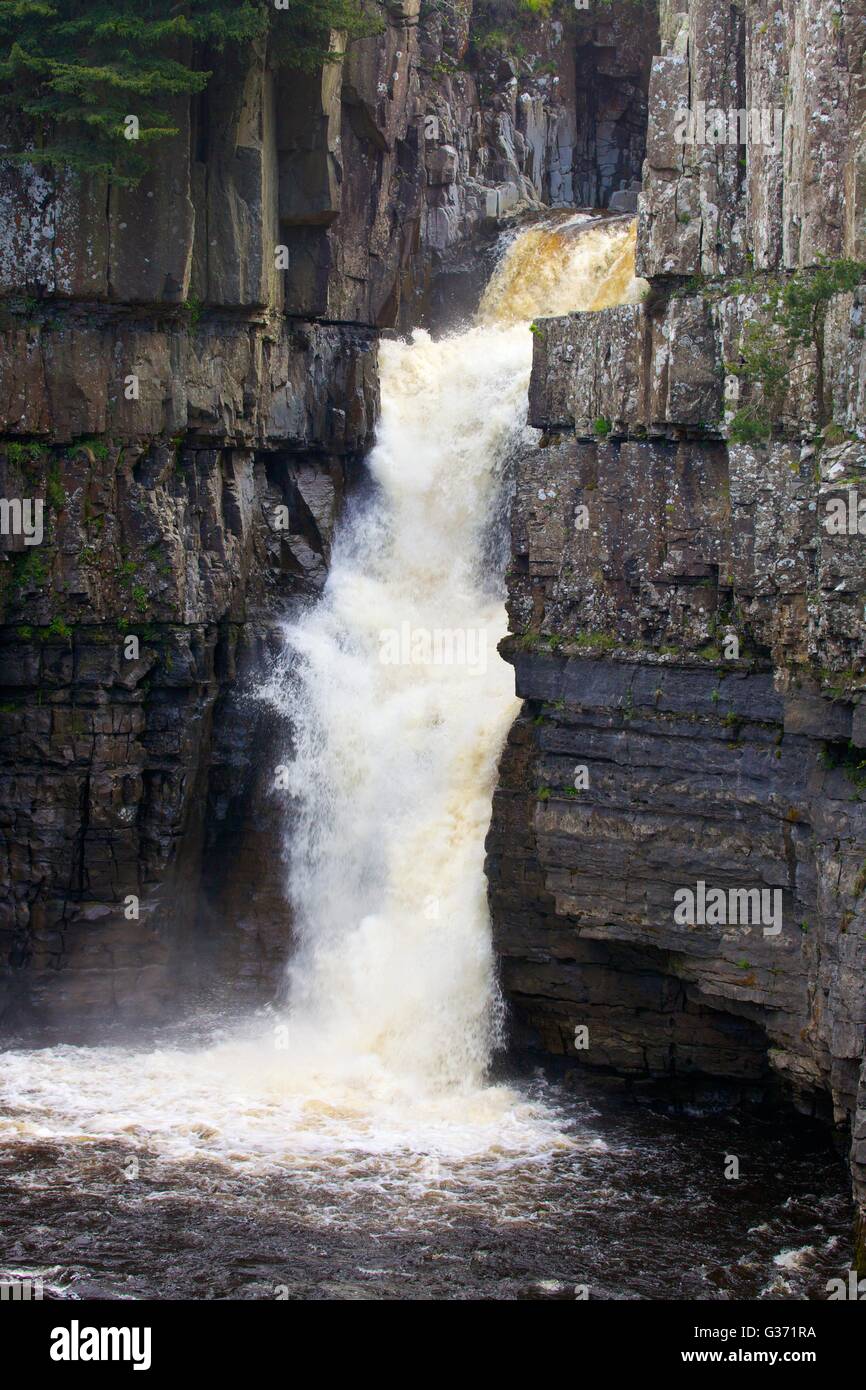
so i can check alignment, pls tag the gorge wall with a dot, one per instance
(692, 448)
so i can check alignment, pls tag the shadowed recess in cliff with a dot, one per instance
(399, 705)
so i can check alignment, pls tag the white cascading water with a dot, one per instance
(392, 1010)
(397, 739)
(396, 745)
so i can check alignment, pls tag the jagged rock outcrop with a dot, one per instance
(689, 627)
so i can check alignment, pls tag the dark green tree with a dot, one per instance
(72, 71)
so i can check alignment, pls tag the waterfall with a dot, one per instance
(399, 705)
(562, 265)
(399, 702)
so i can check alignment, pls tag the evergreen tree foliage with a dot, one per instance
(76, 69)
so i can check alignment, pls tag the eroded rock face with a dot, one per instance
(156, 595)
(299, 385)
(366, 172)
(734, 771)
(688, 624)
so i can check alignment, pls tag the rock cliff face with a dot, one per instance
(689, 631)
(191, 415)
